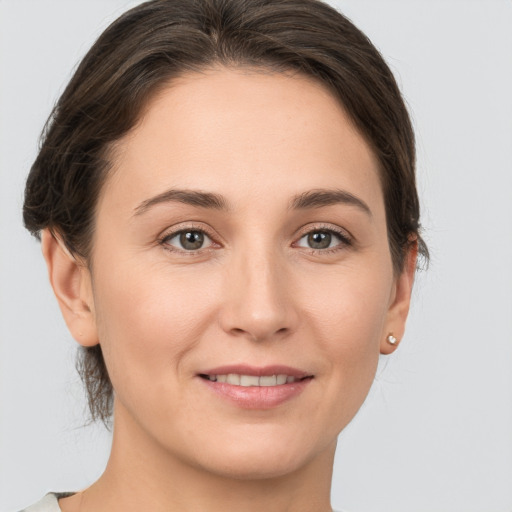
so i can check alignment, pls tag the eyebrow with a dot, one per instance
(191, 197)
(316, 198)
(319, 198)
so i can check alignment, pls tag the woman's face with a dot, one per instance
(241, 242)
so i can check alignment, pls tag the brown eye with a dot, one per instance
(190, 240)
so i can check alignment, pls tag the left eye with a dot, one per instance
(189, 240)
(320, 239)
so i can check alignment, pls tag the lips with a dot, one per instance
(251, 380)
(250, 387)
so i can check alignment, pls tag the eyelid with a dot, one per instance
(346, 239)
(184, 227)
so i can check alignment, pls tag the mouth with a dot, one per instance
(236, 379)
(259, 388)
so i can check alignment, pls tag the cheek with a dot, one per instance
(349, 305)
(149, 319)
(347, 314)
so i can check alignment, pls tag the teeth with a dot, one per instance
(252, 380)
(233, 378)
(269, 380)
(249, 380)
(281, 379)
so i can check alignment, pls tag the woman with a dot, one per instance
(225, 196)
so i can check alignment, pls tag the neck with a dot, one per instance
(142, 475)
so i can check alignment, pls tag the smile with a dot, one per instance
(250, 387)
(252, 380)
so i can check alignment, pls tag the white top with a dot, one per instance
(50, 503)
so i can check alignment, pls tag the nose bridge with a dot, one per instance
(258, 302)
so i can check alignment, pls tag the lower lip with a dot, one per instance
(257, 397)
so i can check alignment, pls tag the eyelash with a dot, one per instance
(163, 241)
(345, 240)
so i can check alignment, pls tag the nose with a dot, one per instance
(258, 301)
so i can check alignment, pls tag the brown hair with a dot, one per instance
(157, 41)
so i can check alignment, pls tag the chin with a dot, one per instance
(259, 457)
(262, 468)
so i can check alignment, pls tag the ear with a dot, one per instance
(400, 301)
(71, 283)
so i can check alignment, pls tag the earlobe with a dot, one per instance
(399, 306)
(71, 283)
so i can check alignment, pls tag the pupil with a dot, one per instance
(319, 240)
(191, 240)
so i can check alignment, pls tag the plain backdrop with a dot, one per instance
(435, 434)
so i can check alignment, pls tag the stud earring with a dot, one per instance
(391, 339)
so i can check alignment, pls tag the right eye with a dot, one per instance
(188, 240)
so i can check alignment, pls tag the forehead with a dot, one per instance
(238, 131)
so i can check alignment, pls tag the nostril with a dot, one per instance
(260, 335)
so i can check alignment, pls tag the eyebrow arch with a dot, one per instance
(317, 198)
(191, 197)
(326, 197)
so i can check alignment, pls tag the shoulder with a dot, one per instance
(50, 503)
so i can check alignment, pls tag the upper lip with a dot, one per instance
(258, 371)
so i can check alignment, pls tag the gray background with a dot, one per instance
(435, 434)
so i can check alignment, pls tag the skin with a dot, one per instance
(257, 293)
